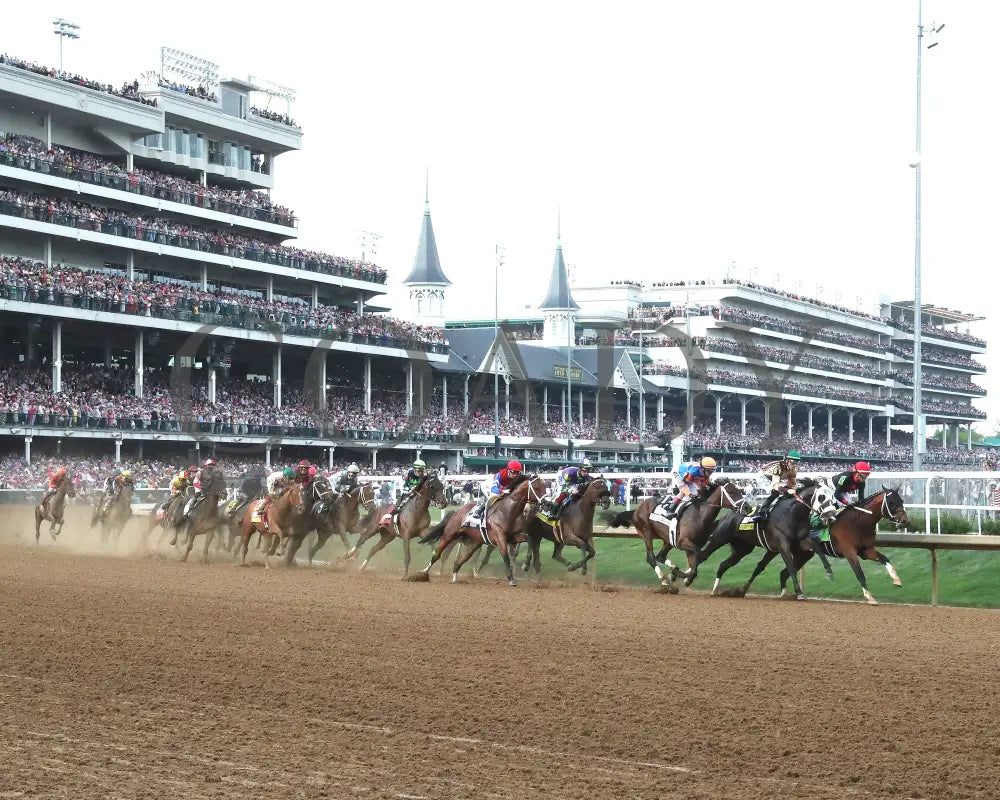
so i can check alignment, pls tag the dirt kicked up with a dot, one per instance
(143, 677)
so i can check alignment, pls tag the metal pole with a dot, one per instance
(918, 444)
(496, 351)
(569, 378)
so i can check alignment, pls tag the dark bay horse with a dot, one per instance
(689, 531)
(344, 516)
(204, 517)
(52, 510)
(504, 520)
(576, 528)
(117, 514)
(411, 521)
(784, 531)
(853, 534)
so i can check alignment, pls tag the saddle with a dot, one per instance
(257, 516)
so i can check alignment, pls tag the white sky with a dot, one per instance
(677, 137)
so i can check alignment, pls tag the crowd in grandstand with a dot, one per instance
(954, 382)
(128, 91)
(941, 333)
(274, 116)
(27, 152)
(718, 344)
(116, 222)
(201, 92)
(937, 355)
(96, 290)
(756, 319)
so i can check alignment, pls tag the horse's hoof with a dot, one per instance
(512, 582)
(688, 581)
(897, 582)
(829, 576)
(572, 568)
(801, 596)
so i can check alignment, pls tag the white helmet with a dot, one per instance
(586, 463)
(354, 469)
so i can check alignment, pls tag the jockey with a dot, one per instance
(502, 482)
(113, 485)
(344, 481)
(413, 480)
(250, 488)
(56, 479)
(850, 481)
(305, 473)
(277, 482)
(208, 470)
(783, 474)
(572, 483)
(695, 476)
(182, 480)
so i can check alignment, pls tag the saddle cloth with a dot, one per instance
(757, 528)
(473, 520)
(257, 516)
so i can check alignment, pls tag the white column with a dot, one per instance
(466, 396)
(789, 408)
(130, 265)
(829, 424)
(276, 376)
(211, 384)
(506, 384)
(57, 356)
(767, 418)
(580, 399)
(888, 430)
(420, 393)
(628, 407)
(944, 435)
(444, 396)
(743, 416)
(718, 415)
(659, 412)
(968, 441)
(48, 130)
(267, 457)
(27, 449)
(850, 426)
(329, 458)
(140, 357)
(871, 429)
(315, 297)
(527, 400)
(545, 404)
(409, 388)
(203, 178)
(129, 162)
(361, 306)
(368, 384)
(374, 459)
(810, 409)
(564, 405)
(321, 383)
(270, 288)
(204, 277)
(118, 451)
(47, 251)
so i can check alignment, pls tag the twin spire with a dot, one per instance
(426, 263)
(558, 297)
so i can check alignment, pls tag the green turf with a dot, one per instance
(965, 578)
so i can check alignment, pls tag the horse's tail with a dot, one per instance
(435, 533)
(623, 519)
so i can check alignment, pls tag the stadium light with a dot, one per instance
(64, 29)
(176, 64)
(919, 435)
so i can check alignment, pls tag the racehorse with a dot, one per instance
(287, 516)
(852, 534)
(343, 518)
(411, 521)
(501, 526)
(117, 514)
(690, 529)
(575, 527)
(317, 500)
(204, 517)
(52, 510)
(784, 530)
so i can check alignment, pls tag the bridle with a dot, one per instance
(366, 495)
(426, 496)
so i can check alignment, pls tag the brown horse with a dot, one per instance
(204, 517)
(504, 520)
(287, 517)
(117, 514)
(51, 510)
(852, 535)
(690, 529)
(344, 517)
(411, 521)
(575, 527)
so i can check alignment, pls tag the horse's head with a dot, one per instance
(598, 493)
(434, 489)
(363, 494)
(819, 498)
(532, 489)
(731, 496)
(70, 488)
(891, 507)
(322, 489)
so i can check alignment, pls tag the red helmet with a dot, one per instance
(209, 463)
(191, 469)
(863, 467)
(515, 466)
(304, 464)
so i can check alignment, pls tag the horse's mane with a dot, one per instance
(808, 483)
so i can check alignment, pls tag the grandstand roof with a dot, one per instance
(946, 314)
(426, 264)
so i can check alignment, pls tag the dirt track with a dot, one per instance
(143, 677)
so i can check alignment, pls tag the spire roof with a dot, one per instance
(558, 295)
(426, 263)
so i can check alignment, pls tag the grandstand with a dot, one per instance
(157, 306)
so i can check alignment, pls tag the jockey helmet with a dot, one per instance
(59, 473)
(304, 464)
(288, 472)
(192, 469)
(419, 465)
(312, 472)
(863, 467)
(354, 469)
(793, 455)
(209, 462)
(707, 463)
(585, 464)
(126, 473)
(514, 466)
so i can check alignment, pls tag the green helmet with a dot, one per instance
(288, 472)
(418, 464)
(793, 455)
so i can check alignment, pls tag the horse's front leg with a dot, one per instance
(508, 563)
